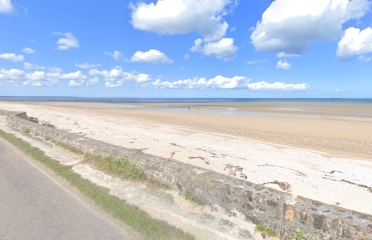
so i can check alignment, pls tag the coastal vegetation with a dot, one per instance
(25, 130)
(137, 219)
(122, 167)
(261, 228)
(192, 198)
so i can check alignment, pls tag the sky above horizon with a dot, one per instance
(186, 48)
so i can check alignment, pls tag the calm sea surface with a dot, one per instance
(191, 100)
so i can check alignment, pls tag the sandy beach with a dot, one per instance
(323, 151)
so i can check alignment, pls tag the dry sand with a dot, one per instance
(323, 151)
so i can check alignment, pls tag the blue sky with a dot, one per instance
(186, 48)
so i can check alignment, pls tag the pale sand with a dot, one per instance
(211, 141)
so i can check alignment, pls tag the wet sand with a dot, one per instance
(323, 151)
(342, 129)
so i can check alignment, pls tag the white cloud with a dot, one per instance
(92, 81)
(232, 29)
(6, 6)
(354, 42)
(218, 82)
(283, 64)
(285, 55)
(115, 55)
(255, 62)
(82, 82)
(87, 65)
(12, 57)
(365, 59)
(78, 75)
(16, 77)
(186, 57)
(337, 90)
(117, 77)
(66, 42)
(223, 49)
(74, 83)
(32, 66)
(27, 50)
(151, 56)
(197, 45)
(291, 26)
(183, 16)
(277, 86)
(55, 70)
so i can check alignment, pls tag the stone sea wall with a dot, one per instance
(281, 211)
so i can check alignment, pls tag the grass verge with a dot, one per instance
(137, 219)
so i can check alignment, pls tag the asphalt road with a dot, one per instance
(32, 206)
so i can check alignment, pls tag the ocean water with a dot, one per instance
(196, 105)
(189, 100)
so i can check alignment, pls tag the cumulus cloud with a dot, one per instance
(82, 82)
(67, 41)
(78, 75)
(115, 55)
(87, 65)
(286, 55)
(74, 83)
(92, 81)
(223, 49)
(55, 69)
(12, 57)
(277, 86)
(27, 65)
(218, 82)
(151, 56)
(6, 6)
(186, 57)
(283, 64)
(291, 26)
(354, 42)
(183, 16)
(117, 77)
(16, 77)
(27, 50)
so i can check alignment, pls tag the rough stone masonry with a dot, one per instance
(281, 211)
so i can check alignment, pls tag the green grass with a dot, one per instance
(124, 168)
(268, 230)
(299, 235)
(131, 215)
(67, 147)
(192, 198)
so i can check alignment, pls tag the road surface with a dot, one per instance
(32, 206)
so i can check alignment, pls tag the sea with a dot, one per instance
(185, 100)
